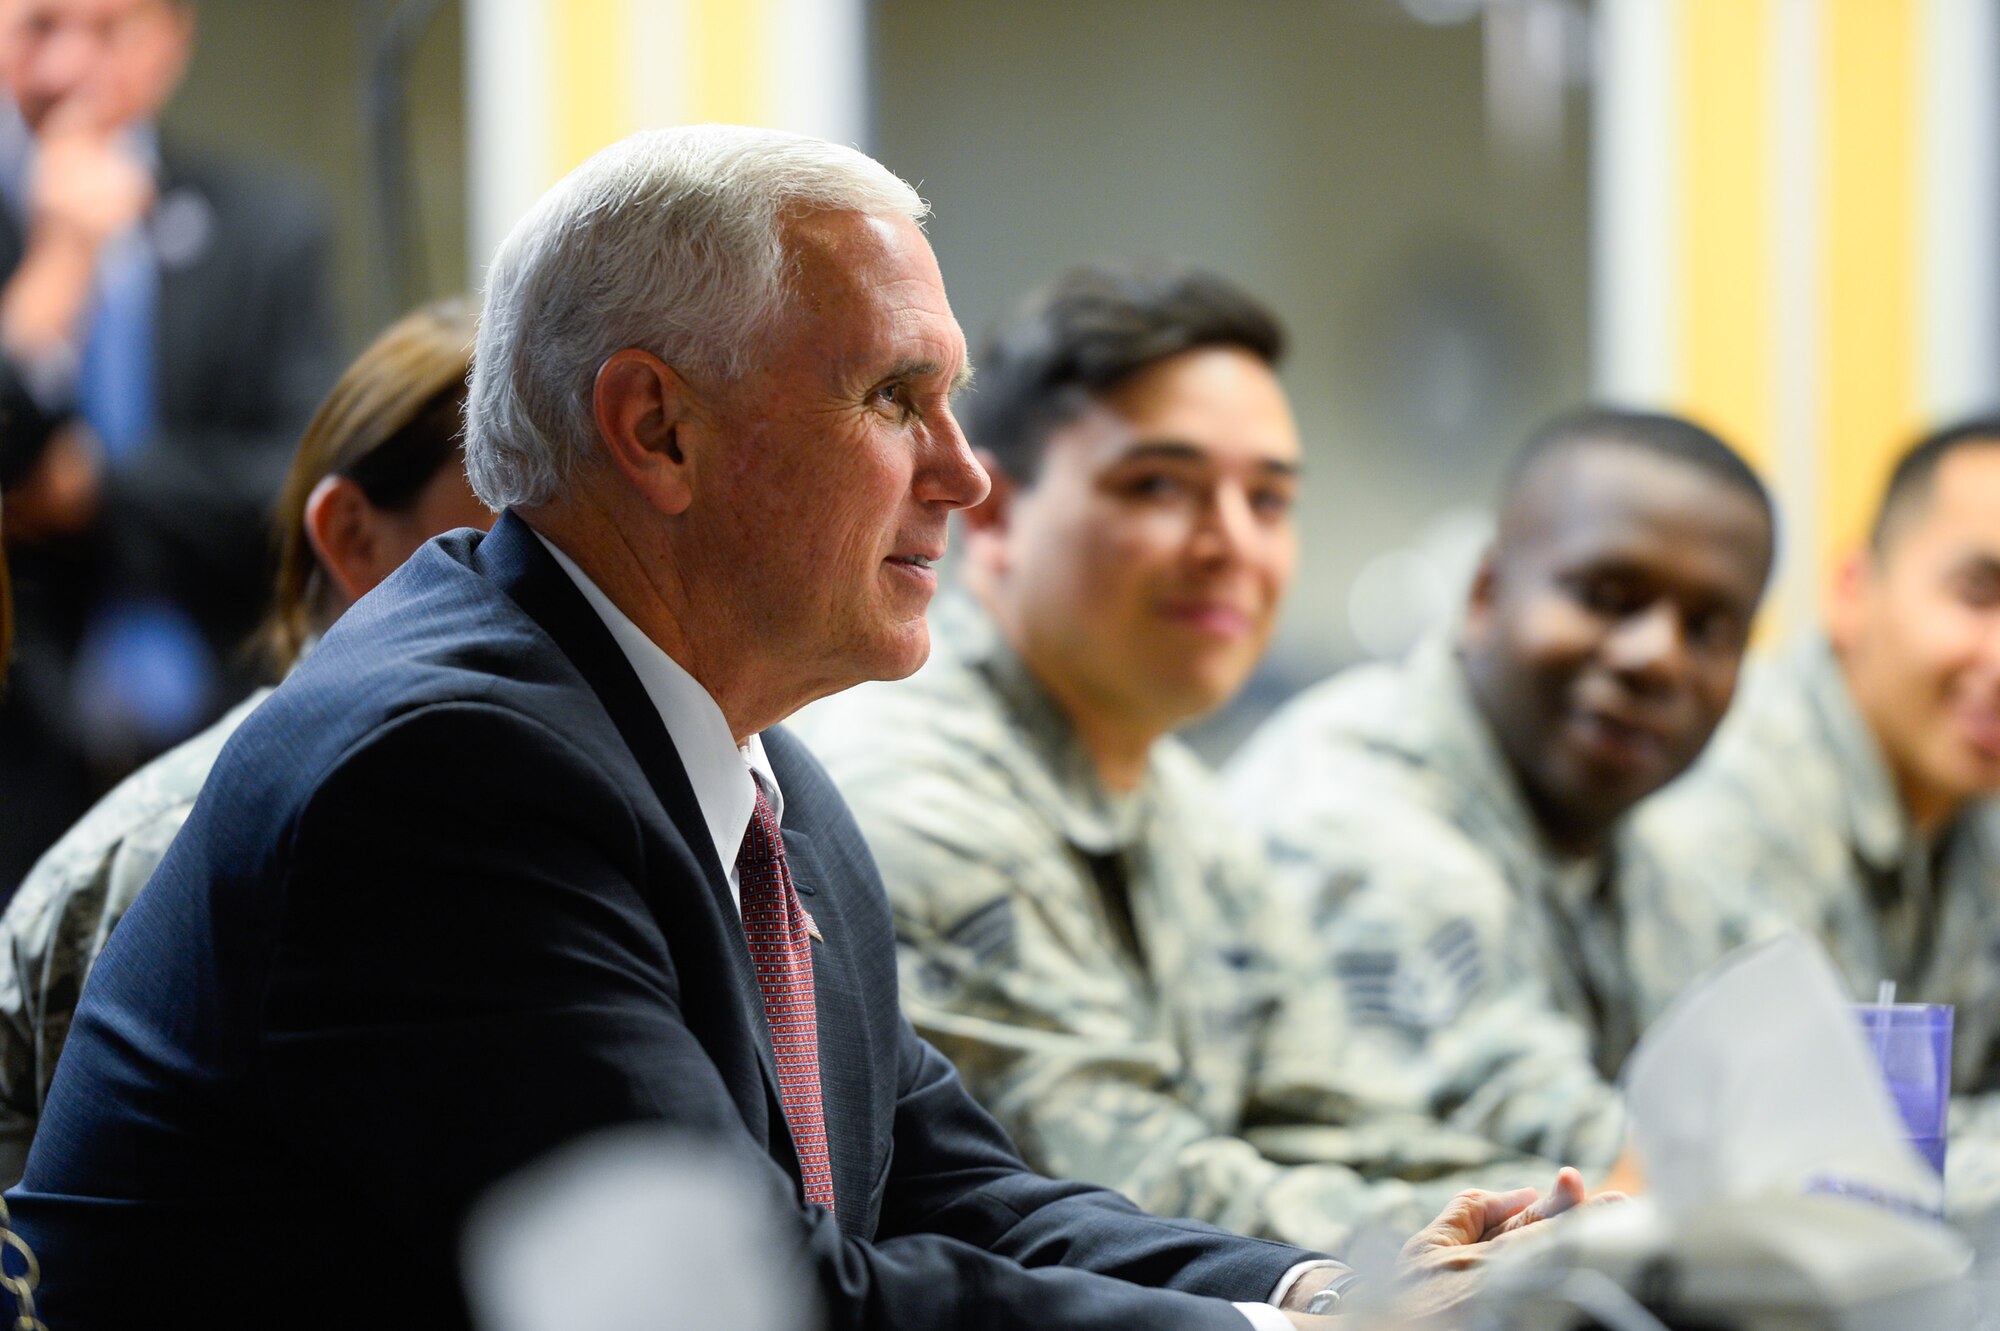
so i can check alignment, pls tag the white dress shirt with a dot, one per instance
(725, 774)
(720, 770)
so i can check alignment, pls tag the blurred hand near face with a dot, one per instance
(86, 188)
(88, 182)
(82, 73)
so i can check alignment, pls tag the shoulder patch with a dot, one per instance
(1419, 991)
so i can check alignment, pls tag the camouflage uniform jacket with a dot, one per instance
(1098, 966)
(1794, 810)
(56, 923)
(1489, 983)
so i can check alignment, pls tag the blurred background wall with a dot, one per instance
(1777, 214)
(325, 88)
(1335, 158)
(1795, 230)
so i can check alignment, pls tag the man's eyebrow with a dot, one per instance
(1174, 450)
(922, 367)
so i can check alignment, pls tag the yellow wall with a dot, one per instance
(1870, 274)
(1727, 332)
(1812, 150)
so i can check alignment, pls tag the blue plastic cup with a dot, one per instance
(1912, 1043)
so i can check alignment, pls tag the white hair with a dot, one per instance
(671, 241)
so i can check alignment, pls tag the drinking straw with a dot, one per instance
(1885, 998)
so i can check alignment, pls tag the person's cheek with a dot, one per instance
(1553, 634)
(1286, 542)
(1113, 542)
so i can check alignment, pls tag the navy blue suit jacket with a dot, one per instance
(448, 901)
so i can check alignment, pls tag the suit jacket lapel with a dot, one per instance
(514, 558)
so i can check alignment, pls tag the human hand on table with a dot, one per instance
(1439, 1267)
(1568, 1192)
(1627, 1175)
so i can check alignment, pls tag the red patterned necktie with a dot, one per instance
(775, 925)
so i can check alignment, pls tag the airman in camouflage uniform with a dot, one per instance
(1453, 829)
(1796, 813)
(57, 921)
(1855, 793)
(1104, 969)
(1488, 979)
(1795, 810)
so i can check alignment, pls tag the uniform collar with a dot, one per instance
(1097, 820)
(1460, 730)
(1878, 827)
(717, 768)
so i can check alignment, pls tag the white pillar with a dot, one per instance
(550, 81)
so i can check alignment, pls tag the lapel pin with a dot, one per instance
(812, 926)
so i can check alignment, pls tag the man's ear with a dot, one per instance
(1847, 594)
(644, 414)
(1481, 594)
(341, 530)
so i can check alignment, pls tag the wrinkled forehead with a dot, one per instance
(860, 286)
(835, 256)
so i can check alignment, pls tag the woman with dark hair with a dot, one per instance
(377, 473)
(370, 482)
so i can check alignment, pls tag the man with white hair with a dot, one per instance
(516, 854)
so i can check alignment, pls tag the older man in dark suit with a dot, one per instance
(517, 853)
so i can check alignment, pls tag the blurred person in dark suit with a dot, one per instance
(521, 851)
(164, 335)
(378, 472)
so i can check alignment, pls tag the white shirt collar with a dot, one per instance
(718, 769)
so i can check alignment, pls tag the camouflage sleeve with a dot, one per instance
(1051, 1045)
(1972, 1163)
(1300, 1111)
(1423, 1025)
(1292, 1121)
(1972, 1158)
(50, 935)
(1710, 837)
